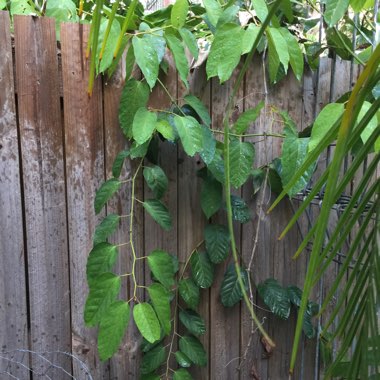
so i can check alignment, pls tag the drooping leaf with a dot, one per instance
(101, 259)
(214, 10)
(339, 42)
(179, 13)
(199, 108)
(134, 96)
(202, 269)
(153, 359)
(275, 297)
(139, 150)
(106, 228)
(190, 41)
(307, 326)
(147, 322)
(240, 210)
(225, 51)
(295, 295)
(144, 124)
(209, 145)
(103, 292)
(112, 328)
(182, 374)
(182, 359)
(156, 179)
(189, 292)
(217, 239)
(249, 38)
(190, 133)
(247, 118)
(130, 61)
(158, 211)
(105, 192)
(180, 59)
(147, 59)
(193, 349)
(160, 298)
(278, 53)
(230, 291)
(216, 167)
(261, 9)
(295, 53)
(211, 196)
(161, 265)
(241, 160)
(154, 38)
(166, 130)
(192, 321)
(118, 163)
(335, 10)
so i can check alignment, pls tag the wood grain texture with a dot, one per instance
(83, 118)
(13, 306)
(44, 188)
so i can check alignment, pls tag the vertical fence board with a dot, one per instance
(13, 307)
(44, 188)
(85, 171)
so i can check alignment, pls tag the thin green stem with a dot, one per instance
(263, 134)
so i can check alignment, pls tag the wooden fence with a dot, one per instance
(56, 147)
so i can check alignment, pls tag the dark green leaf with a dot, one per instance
(211, 196)
(241, 160)
(295, 295)
(179, 13)
(160, 298)
(101, 259)
(247, 118)
(258, 177)
(193, 349)
(190, 41)
(182, 374)
(156, 179)
(192, 321)
(112, 328)
(307, 325)
(339, 42)
(103, 292)
(217, 239)
(118, 163)
(275, 297)
(199, 108)
(105, 192)
(158, 211)
(230, 291)
(106, 228)
(144, 124)
(147, 322)
(190, 133)
(180, 59)
(182, 359)
(202, 269)
(335, 10)
(209, 145)
(129, 62)
(216, 167)
(161, 265)
(149, 376)
(189, 292)
(153, 359)
(134, 96)
(240, 210)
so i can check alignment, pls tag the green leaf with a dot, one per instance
(62, 11)
(240, 210)
(182, 374)
(230, 291)
(324, 122)
(156, 179)
(189, 292)
(277, 51)
(202, 269)
(225, 52)
(179, 13)
(190, 133)
(22, 7)
(130, 61)
(106, 228)
(192, 321)
(153, 359)
(180, 59)
(249, 38)
(209, 145)
(216, 167)
(261, 9)
(134, 96)
(147, 322)
(371, 125)
(229, 15)
(295, 53)
(149, 376)
(295, 295)
(357, 5)
(103, 292)
(160, 298)
(154, 38)
(118, 163)
(217, 239)
(166, 130)
(241, 160)
(193, 349)
(190, 41)
(258, 177)
(214, 10)
(247, 118)
(105, 192)
(307, 325)
(199, 108)
(161, 265)
(138, 150)
(144, 124)
(101, 259)
(211, 196)
(147, 59)
(158, 211)
(275, 297)
(3, 4)
(182, 359)
(112, 328)
(335, 10)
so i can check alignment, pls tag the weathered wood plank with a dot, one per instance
(13, 306)
(83, 119)
(44, 189)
